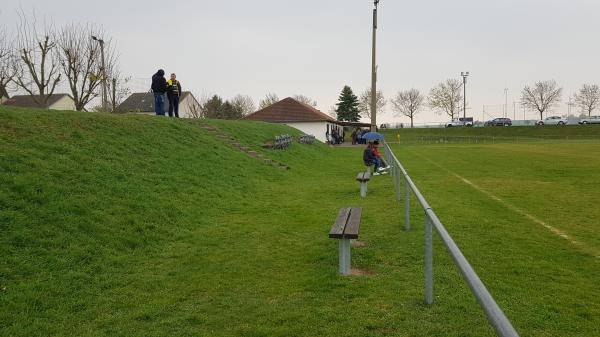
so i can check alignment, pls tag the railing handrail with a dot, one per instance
(494, 314)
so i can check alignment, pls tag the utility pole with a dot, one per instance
(374, 72)
(464, 76)
(483, 114)
(114, 95)
(104, 90)
(514, 110)
(505, 102)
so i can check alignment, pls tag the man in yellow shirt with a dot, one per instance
(173, 94)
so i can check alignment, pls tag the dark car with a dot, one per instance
(499, 122)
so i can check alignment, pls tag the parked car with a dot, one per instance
(553, 120)
(499, 122)
(590, 120)
(467, 121)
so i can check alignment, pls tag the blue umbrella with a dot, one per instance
(372, 136)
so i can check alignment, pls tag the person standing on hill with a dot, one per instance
(159, 87)
(173, 94)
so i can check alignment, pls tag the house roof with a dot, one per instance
(144, 102)
(289, 110)
(28, 101)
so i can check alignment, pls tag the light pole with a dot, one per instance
(104, 90)
(464, 76)
(505, 102)
(374, 72)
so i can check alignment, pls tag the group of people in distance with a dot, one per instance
(357, 136)
(371, 156)
(172, 88)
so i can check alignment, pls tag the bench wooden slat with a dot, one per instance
(353, 224)
(337, 231)
(363, 176)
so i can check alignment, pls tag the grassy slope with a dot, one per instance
(141, 226)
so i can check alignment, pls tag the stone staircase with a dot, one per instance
(242, 148)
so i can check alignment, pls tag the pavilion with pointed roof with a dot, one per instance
(301, 116)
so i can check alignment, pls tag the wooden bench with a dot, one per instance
(363, 178)
(346, 228)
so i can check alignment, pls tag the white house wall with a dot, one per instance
(317, 129)
(65, 103)
(186, 105)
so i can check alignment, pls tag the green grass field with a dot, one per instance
(143, 226)
(491, 135)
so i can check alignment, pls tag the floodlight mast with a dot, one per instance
(374, 72)
(464, 76)
(104, 90)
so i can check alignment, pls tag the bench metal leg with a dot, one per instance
(345, 256)
(363, 189)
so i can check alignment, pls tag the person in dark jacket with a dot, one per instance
(159, 87)
(370, 157)
(173, 94)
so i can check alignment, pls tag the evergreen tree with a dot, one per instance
(228, 111)
(347, 106)
(213, 107)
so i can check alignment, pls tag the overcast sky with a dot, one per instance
(315, 47)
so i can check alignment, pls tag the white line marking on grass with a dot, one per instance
(554, 230)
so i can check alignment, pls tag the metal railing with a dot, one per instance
(494, 314)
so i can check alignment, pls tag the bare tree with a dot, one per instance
(541, 96)
(446, 97)
(118, 90)
(271, 98)
(242, 104)
(117, 84)
(7, 72)
(408, 103)
(80, 62)
(364, 103)
(305, 99)
(588, 98)
(36, 66)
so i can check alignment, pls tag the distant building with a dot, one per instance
(302, 117)
(143, 103)
(54, 102)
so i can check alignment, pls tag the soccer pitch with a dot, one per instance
(526, 217)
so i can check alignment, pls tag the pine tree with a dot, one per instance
(347, 106)
(213, 107)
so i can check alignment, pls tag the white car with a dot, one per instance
(590, 120)
(553, 120)
(460, 122)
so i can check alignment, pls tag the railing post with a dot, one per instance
(406, 205)
(396, 177)
(428, 260)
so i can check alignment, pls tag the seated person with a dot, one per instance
(371, 156)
